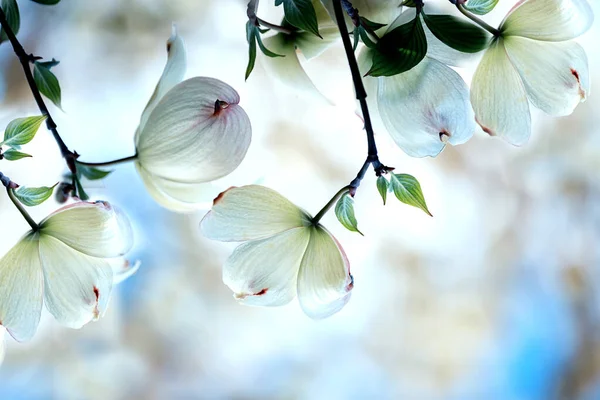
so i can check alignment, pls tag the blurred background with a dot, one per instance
(496, 297)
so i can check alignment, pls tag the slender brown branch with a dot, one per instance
(10, 190)
(108, 163)
(25, 60)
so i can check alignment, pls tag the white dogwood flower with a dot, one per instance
(427, 107)
(65, 264)
(285, 253)
(190, 133)
(532, 60)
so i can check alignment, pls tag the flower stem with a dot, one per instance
(477, 20)
(25, 59)
(276, 28)
(330, 204)
(107, 163)
(24, 213)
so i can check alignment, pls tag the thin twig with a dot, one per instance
(107, 163)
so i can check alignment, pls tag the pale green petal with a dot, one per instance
(96, 229)
(171, 76)
(499, 98)
(552, 20)
(264, 272)
(425, 108)
(324, 282)
(250, 213)
(21, 289)
(77, 287)
(187, 139)
(556, 75)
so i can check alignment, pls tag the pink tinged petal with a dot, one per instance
(174, 195)
(197, 133)
(551, 20)
(96, 229)
(324, 282)
(499, 98)
(264, 272)
(556, 75)
(425, 108)
(21, 289)
(171, 76)
(77, 287)
(250, 213)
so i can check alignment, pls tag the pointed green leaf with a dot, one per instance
(409, 3)
(344, 211)
(262, 47)
(251, 37)
(301, 14)
(383, 187)
(21, 130)
(80, 191)
(11, 10)
(356, 37)
(480, 7)
(408, 190)
(47, 82)
(370, 24)
(92, 173)
(13, 155)
(399, 50)
(458, 33)
(49, 64)
(33, 196)
(47, 2)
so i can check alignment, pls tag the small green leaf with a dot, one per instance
(80, 192)
(457, 33)
(13, 155)
(399, 50)
(383, 187)
(408, 190)
(21, 131)
(301, 14)
(356, 37)
(13, 17)
(365, 38)
(92, 173)
(370, 24)
(34, 196)
(49, 64)
(409, 3)
(251, 37)
(47, 82)
(262, 47)
(344, 211)
(47, 2)
(480, 7)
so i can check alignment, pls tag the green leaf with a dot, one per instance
(47, 82)
(13, 155)
(370, 24)
(301, 14)
(480, 7)
(365, 38)
(47, 2)
(92, 173)
(34, 196)
(408, 190)
(251, 37)
(49, 64)
(409, 3)
(457, 33)
(383, 186)
(262, 47)
(13, 17)
(344, 211)
(21, 131)
(80, 192)
(399, 50)
(356, 37)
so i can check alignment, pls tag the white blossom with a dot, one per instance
(532, 60)
(284, 253)
(67, 264)
(190, 133)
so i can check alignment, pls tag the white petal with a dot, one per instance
(311, 45)
(77, 287)
(553, 20)
(96, 229)
(2, 344)
(499, 99)
(171, 76)
(288, 69)
(249, 213)
(189, 139)
(264, 272)
(177, 196)
(324, 282)
(21, 289)
(381, 11)
(425, 108)
(555, 75)
(123, 269)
